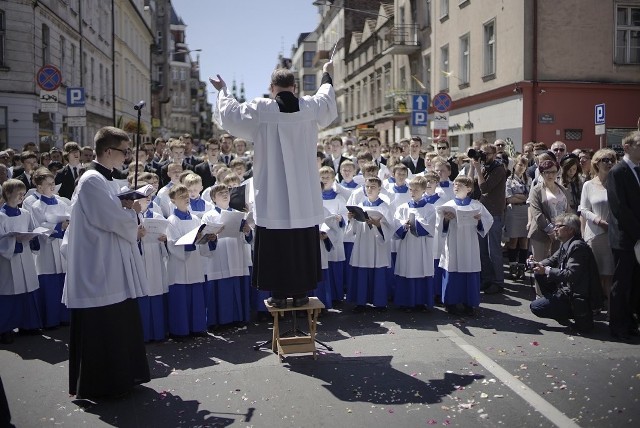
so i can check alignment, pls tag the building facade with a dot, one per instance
(518, 70)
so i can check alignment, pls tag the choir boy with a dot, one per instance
(348, 171)
(335, 204)
(463, 219)
(52, 212)
(445, 187)
(371, 256)
(153, 306)
(187, 313)
(227, 266)
(198, 206)
(19, 280)
(414, 223)
(432, 197)
(174, 170)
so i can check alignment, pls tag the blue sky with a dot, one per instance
(242, 38)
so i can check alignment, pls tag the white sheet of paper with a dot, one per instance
(232, 221)
(43, 231)
(154, 227)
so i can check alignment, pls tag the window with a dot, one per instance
(73, 64)
(627, 35)
(93, 77)
(309, 82)
(444, 67)
(101, 83)
(3, 31)
(307, 58)
(107, 86)
(444, 8)
(573, 134)
(489, 49)
(45, 44)
(464, 60)
(427, 71)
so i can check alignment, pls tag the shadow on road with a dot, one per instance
(374, 380)
(146, 407)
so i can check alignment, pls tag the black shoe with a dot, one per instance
(277, 303)
(452, 309)
(468, 311)
(493, 289)
(300, 301)
(359, 309)
(7, 337)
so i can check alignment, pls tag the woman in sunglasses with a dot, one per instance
(594, 213)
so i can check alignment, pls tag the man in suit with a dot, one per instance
(205, 169)
(68, 175)
(189, 157)
(29, 162)
(226, 144)
(623, 187)
(176, 153)
(569, 278)
(444, 151)
(335, 155)
(414, 161)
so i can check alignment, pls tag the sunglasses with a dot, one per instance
(558, 149)
(442, 148)
(606, 160)
(499, 145)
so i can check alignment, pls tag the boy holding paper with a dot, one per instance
(19, 281)
(463, 219)
(187, 313)
(371, 256)
(197, 205)
(414, 228)
(153, 306)
(227, 266)
(50, 212)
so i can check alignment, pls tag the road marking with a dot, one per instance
(527, 394)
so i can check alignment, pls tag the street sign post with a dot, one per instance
(442, 102)
(419, 104)
(601, 128)
(49, 78)
(49, 101)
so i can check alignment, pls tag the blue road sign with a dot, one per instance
(49, 78)
(418, 118)
(600, 114)
(75, 97)
(442, 102)
(420, 102)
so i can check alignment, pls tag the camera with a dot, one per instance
(531, 264)
(477, 155)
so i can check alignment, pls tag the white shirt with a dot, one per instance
(285, 170)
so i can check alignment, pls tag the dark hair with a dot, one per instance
(107, 137)
(545, 165)
(283, 78)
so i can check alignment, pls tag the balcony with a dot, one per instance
(402, 40)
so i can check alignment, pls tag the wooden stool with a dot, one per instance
(296, 344)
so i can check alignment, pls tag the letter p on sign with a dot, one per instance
(75, 97)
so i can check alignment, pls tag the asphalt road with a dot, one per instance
(501, 368)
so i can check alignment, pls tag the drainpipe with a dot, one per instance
(535, 92)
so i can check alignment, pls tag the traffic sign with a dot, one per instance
(439, 133)
(49, 78)
(600, 114)
(76, 121)
(49, 101)
(441, 121)
(75, 97)
(442, 102)
(419, 118)
(420, 102)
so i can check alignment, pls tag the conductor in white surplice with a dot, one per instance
(288, 204)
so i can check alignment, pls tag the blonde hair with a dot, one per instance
(599, 155)
(191, 179)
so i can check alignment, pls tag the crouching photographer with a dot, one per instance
(568, 279)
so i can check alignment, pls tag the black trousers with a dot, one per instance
(625, 292)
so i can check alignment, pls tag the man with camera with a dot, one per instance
(491, 178)
(569, 279)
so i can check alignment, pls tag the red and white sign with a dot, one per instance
(439, 133)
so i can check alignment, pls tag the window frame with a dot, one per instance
(309, 82)
(444, 68)
(627, 28)
(465, 60)
(489, 51)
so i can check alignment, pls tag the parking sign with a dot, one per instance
(600, 114)
(75, 97)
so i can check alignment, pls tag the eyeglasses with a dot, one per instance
(443, 148)
(558, 149)
(559, 226)
(606, 160)
(126, 152)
